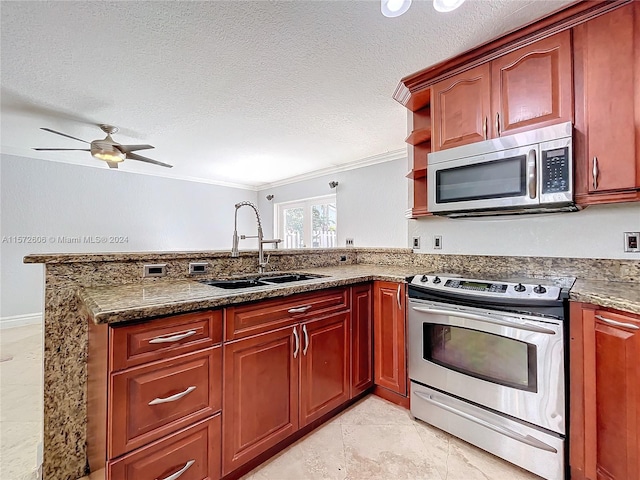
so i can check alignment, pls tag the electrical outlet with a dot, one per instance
(416, 243)
(437, 242)
(632, 241)
(349, 242)
(343, 258)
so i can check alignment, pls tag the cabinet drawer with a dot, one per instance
(195, 451)
(150, 341)
(153, 400)
(251, 319)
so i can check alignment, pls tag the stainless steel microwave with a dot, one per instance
(522, 173)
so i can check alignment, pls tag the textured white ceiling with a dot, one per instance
(243, 92)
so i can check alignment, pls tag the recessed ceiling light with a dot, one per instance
(446, 5)
(394, 8)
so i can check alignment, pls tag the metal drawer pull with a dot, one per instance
(179, 473)
(618, 324)
(526, 439)
(481, 318)
(297, 339)
(172, 398)
(498, 124)
(299, 309)
(173, 338)
(484, 128)
(595, 172)
(306, 339)
(398, 296)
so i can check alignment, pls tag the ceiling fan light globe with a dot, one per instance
(394, 8)
(446, 5)
(108, 155)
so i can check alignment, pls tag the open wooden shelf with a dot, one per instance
(417, 173)
(419, 136)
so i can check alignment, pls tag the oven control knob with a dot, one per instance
(437, 280)
(519, 288)
(539, 289)
(424, 278)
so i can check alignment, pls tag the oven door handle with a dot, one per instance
(526, 439)
(482, 318)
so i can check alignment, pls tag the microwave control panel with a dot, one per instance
(555, 170)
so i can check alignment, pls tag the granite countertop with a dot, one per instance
(122, 303)
(143, 300)
(623, 296)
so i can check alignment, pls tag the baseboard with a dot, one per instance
(20, 320)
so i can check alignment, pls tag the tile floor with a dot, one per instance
(21, 392)
(373, 439)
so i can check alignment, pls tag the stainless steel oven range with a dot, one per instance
(487, 364)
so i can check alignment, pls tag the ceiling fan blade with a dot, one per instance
(112, 164)
(63, 134)
(132, 148)
(134, 156)
(61, 149)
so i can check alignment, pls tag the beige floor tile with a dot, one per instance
(374, 410)
(320, 455)
(18, 451)
(436, 446)
(386, 452)
(21, 403)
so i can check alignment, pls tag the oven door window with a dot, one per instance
(490, 357)
(496, 179)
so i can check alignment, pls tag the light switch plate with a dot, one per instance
(437, 242)
(416, 243)
(632, 241)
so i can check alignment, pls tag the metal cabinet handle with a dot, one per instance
(297, 339)
(306, 339)
(484, 127)
(172, 398)
(299, 309)
(595, 172)
(179, 473)
(526, 439)
(532, 183)
(497, 124)
(173, 338)
(398, 296)
(618, 324)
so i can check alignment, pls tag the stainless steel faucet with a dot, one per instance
(261, 241)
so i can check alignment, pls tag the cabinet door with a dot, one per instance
(361, 339)
(532, 86)
(324, 366)
(390, 358)
(607, 69)
(260, 394)
(461, 109)
(605, 379)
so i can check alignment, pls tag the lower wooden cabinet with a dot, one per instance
(191, 454)
(605, 394)
(361, 339)
(389, 352)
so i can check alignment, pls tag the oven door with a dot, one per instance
(513, 364)
(503, 179)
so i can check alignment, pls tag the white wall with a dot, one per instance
(52, 200)
(370, 200)
(595, 232)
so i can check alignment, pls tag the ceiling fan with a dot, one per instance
(107, 149)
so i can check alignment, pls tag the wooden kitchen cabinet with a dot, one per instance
(461, 109)
(260, 394)
(607, 83)
(389, 351)
(605, 394)
(154, 392)
(361, 339)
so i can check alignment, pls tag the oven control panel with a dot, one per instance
(482, 288)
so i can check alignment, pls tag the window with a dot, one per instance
(310, 222)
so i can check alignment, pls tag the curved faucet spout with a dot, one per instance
(234, 248)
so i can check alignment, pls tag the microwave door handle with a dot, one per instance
(495, 321)
(532, 182)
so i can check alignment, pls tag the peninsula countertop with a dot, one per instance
(137, 301)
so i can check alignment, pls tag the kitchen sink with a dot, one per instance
(234, 284)
(237, 283)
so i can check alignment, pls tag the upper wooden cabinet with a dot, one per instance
(605, 394)
(461, 109)
(531, 87)
(607, 78)
(528, 88)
